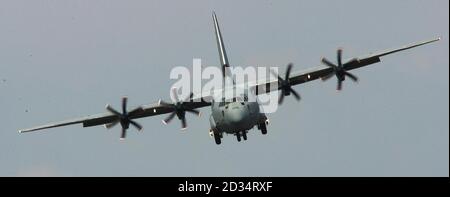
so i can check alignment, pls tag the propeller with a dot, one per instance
(339, 70)
(179, 109)
(285, 85)
(123, 118)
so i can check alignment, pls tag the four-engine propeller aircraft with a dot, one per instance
(240, 114)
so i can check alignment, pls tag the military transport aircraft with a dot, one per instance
(233, 116)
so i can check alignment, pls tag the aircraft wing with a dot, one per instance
(324, 71)
(203, 99)
(105, 118)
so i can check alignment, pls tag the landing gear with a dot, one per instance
(217, 137)
(263, 128)
(244, 135)
(262, 125)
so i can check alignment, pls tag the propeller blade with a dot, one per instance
(123, 118)
(339, 57)
(340, 71)
(328, 63)
(175, 94)
(123, 134)
(339, 85)
(112, 124)
(112, 110)
(353, 77)
(194, 111)
(276, 75)
(296, 95)
(124, 105)
(183, 123)
(288, 71)
(135, 124)
(169, 118)
(280, 100)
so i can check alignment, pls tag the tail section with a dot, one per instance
(223, 54)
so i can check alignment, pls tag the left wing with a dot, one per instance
(323, 71)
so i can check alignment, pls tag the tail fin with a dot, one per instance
(223, 54)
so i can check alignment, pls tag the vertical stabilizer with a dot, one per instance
(222, 53)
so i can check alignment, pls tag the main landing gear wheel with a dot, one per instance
(244, 135)
(217, 137)
(263, 128)
(238, 135)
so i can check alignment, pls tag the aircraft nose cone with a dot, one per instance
(236, 117)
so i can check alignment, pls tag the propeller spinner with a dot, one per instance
(123, 118)
(339, 70)
(179, 109)
(285, 85)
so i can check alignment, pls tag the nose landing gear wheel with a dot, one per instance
(244, 135)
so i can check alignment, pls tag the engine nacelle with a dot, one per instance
(212, 122)
(213, 126)
(263, 119)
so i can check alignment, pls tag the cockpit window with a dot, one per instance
(235, 99)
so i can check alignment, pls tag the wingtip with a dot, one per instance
(20, 131)
(214, 16)
(436, 39)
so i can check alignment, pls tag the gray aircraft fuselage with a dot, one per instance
(238, 114)
(234, 115)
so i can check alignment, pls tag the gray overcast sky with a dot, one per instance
(65, 59)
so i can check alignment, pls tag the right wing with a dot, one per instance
(105, 118)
